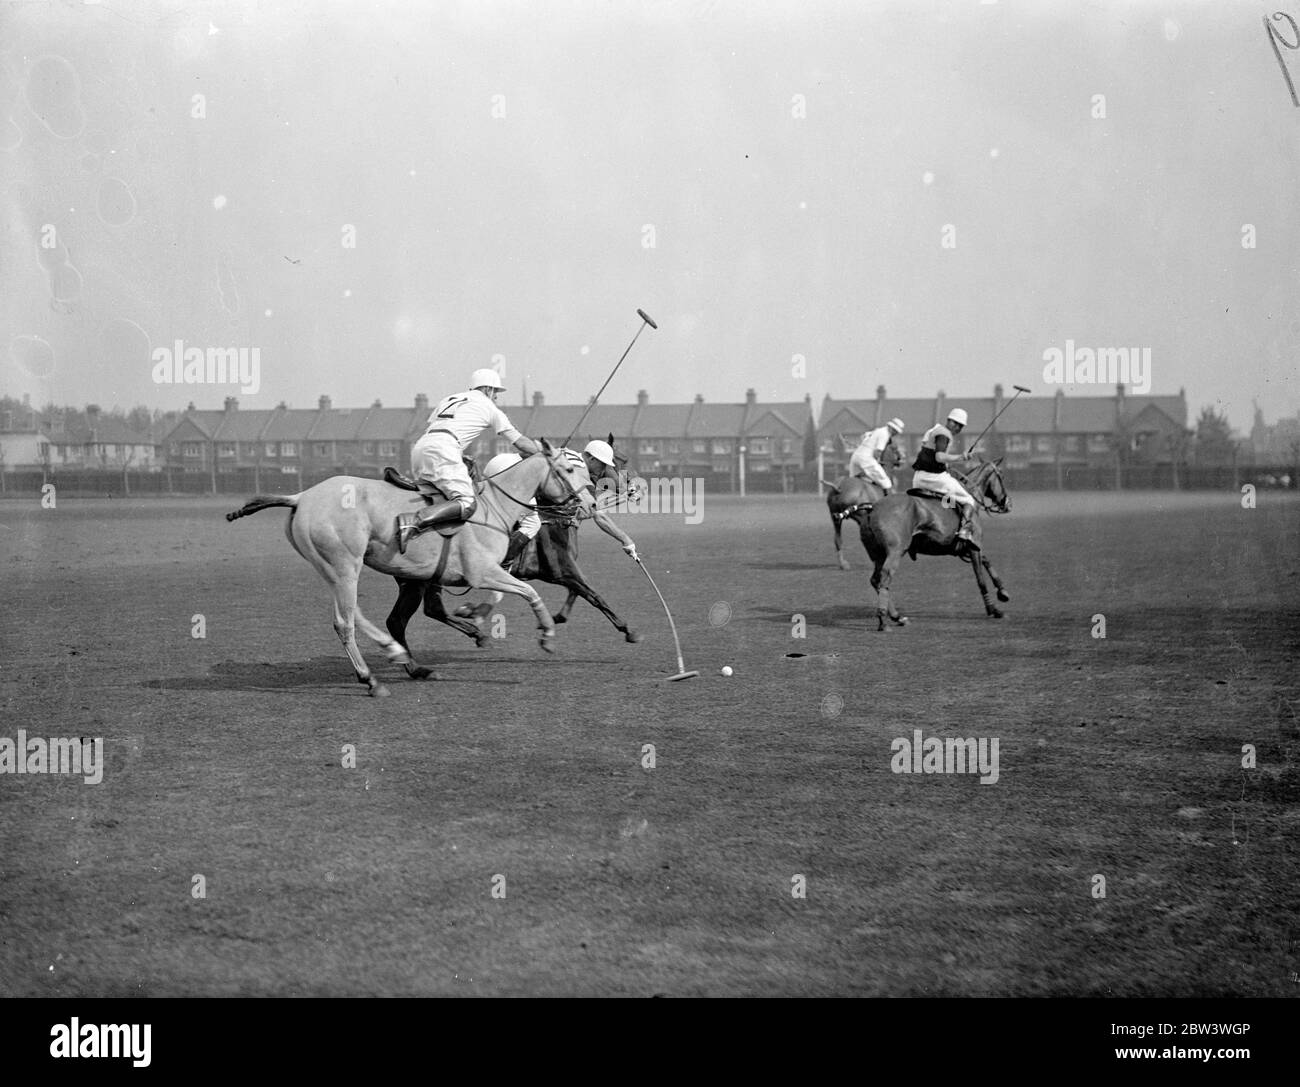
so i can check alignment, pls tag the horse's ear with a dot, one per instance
(997, 463)
(611, 439)
(546, 447)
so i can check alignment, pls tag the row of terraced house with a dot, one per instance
(753, 445)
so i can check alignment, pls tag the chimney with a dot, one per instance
(1119, 401)
(538, 399)
(189, 408)
(281, 406)
(324, 403)
(232, 404)
(377, 404)
(1058, 402)
(421, 402)
(751, 397)
(642, 398)
(92, 411)
(997, 404)
(699, 399)
(880, 406)
(939, 410)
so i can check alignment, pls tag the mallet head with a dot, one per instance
(646, 318)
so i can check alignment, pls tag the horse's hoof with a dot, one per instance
(631, 635)
(881, 628)
(1003, 595)
(901, 621)
(419, 671)
(480, 640)
(546, 641)
(379, 691)
(995, 613)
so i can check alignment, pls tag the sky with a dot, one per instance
(816, 198)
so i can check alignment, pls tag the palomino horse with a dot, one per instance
(906, 524)
(347, 521)
(852, 496)
(551, 557)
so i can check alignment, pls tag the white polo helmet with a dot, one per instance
(957, 415)
(601, 451)
(896, 425)
(486, 377)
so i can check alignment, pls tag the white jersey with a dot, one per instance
(466, 415)
(873, 443)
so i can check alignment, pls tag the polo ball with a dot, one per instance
(726, 671)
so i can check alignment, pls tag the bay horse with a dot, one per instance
(346, 522)
(852, 496)
(551, 556)
(909, 524)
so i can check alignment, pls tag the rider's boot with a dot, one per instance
(964, 530)
(518, 541)
(410, 525)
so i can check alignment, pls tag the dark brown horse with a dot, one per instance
(552, 556)
(907, 524)
(853, 497)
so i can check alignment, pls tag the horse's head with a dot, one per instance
(567, 482)
(987, 481)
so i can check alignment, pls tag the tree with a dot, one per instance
(1214, 441)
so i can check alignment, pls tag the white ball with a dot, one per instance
(726, 671)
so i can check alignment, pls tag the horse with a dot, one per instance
(552, 556)
(912, 524)
(853, 496)
(346, 522)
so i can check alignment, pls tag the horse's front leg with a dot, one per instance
(1003, 595)
(497, 579)
(578, 587)
(977, 564)
(880, 581)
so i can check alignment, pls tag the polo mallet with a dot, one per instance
(682, 673)
(646, 320)
(1019, 389)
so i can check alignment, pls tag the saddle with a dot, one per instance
(431, 492)
(921, 492)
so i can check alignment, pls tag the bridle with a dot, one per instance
(974, 484)
(568, 506)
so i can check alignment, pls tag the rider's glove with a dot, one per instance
(629, 549)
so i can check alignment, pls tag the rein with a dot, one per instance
(973, 482)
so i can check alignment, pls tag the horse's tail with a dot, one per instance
(828, 483)
(264, 502)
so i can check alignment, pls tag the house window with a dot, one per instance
(44, 450)
(1017, 443)
(110, 451)
(368, 448)
(674, 447)
(388, 449)
(721, 446)
(787, 445)
(288, 449)
(226, 449)
(761, 447)
(699, 447)
(322, 449)
(649, 447)
(1072, 443)
(270, 449)
(1098, 443)
(193, 449)
(1043, 444)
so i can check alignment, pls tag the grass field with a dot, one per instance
(1118, 758)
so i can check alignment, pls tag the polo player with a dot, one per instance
(865, 462)
(438, 455)
(931, 470)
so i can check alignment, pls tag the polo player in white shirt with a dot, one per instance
(438, 456)
(865, 462)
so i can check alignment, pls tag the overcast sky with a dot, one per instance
(506, 167)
